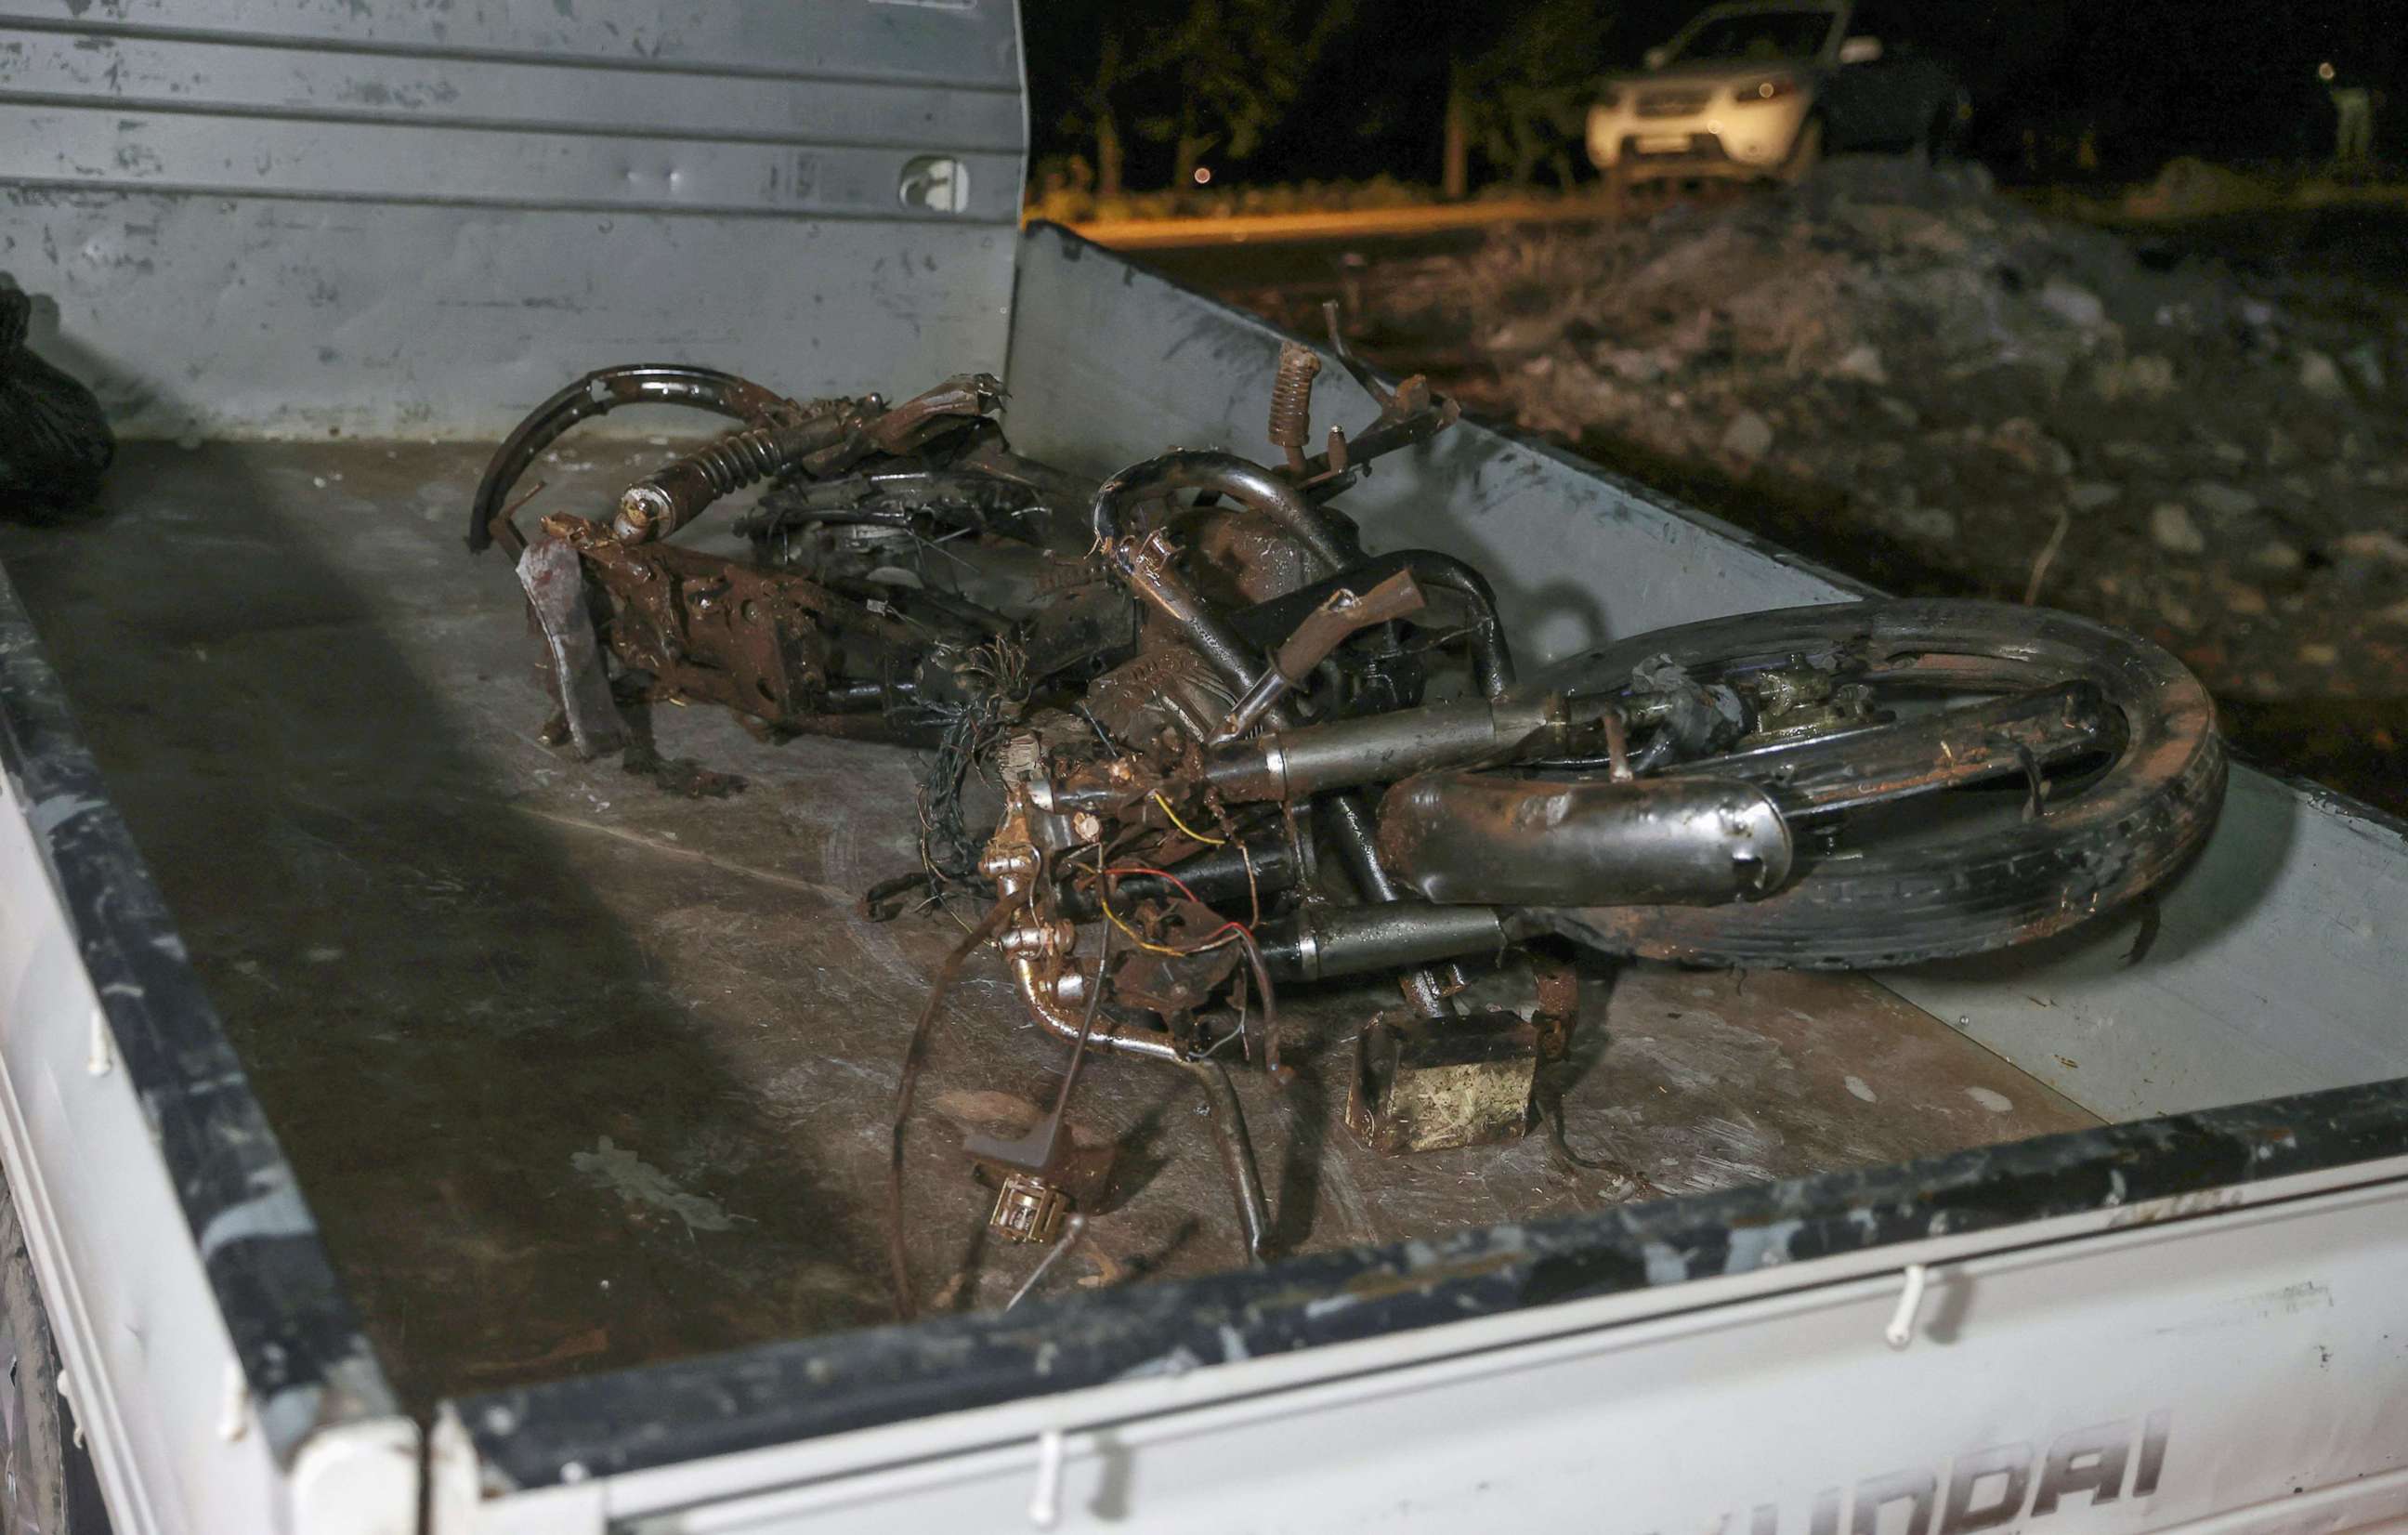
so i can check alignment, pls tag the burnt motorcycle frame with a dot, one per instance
(1516, 814)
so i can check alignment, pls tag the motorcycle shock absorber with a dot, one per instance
(676, 494)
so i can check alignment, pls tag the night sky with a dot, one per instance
(2147, 78)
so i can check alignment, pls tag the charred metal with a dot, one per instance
(1191, 742)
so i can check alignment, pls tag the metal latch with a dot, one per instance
(1900, 1331)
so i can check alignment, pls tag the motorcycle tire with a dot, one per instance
(2128, 824)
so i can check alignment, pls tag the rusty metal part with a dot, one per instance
(1237, 1155)
(601, 392)
(554, 581)
(1557, 1013)
(1224, 474)
(1435, 1085)
(1617, 748)
(1873, 764)
(705, 627)
(1262, 863)
(1254, 558)
(1028, 1209)
(1972, 876)
(1291, 422)
(1146, 564)
(505, 531)
(1325, 943)
(1492, 838)
(915, 1055)
(1353, 833)
(1073, 1228)
(1291, 763)
(911, 425)
(1410, 413)
(1443, 576)
(829, 435)
(1163, 687)
(1047, 987)
(1173, 983)
(681, 490)
(1339, 616)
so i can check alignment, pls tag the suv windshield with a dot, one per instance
(1758, 34)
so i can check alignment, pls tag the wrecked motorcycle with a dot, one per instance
(1181, 720)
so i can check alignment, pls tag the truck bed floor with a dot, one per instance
(578, 1072)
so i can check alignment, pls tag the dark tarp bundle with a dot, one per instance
(54, 442)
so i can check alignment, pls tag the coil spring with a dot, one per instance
(1291, 395)
(745, 458)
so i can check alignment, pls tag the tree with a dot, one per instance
(1524, 99)
(1096, 117)
(1231, 69)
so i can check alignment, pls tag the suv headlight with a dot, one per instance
(1770, 87)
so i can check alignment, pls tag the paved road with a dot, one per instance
(1360, 225)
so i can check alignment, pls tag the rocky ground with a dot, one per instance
(1939, 390)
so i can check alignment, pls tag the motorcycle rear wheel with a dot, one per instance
(1916, 881)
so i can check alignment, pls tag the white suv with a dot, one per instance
(1767, 88)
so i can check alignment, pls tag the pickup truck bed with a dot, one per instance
(582, 1072)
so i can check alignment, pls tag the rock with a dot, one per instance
(2280, 448)
(2364, 361)
(2149, 377)
(2221, 501)
(2019, 437)
(2278, 556)
(2397, 613)
(2231, 454)
(1861, 364)
(1631, 363)
(1936, 523)
(2381, 545)
(2073, 303)
(1527, 334)
(1691, 335)
(2317, 653)
(2136, 455)
(2171, 529)
(1748, 438)
(1900, 411)
(2319, 376)
(2175, 611)
(2091, 494)
(2240, 598)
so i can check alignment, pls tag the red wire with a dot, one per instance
(1226, 926)
(1160, 874)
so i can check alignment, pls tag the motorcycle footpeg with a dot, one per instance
(1436, 1083)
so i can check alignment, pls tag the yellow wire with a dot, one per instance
(1105, 900)
(1190, 832)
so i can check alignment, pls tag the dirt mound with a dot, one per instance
(1929, 385)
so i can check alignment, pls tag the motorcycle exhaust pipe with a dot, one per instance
(1293, 764)
(1322, 943)
(1515, 841)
